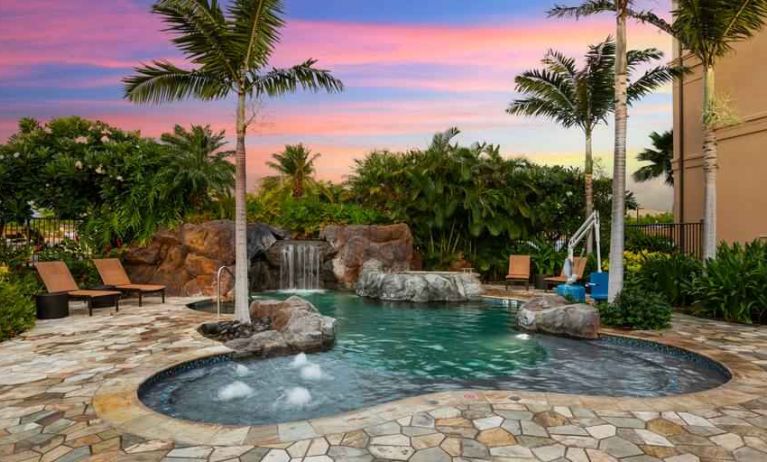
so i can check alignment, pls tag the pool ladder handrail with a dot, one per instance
(218, 288)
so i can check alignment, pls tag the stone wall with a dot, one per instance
(391, 245)
(186, 260)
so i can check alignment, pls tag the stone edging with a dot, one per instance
(117, 401)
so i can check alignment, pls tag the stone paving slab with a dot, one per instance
(68, 393)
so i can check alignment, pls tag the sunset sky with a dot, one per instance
(411, 68)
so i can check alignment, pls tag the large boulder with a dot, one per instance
(552, 314)
(391, 245)
(296, 326)
(416, 286)
(185, 260)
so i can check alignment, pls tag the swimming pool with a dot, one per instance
(389, 351)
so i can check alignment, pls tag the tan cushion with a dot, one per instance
(93, 293)
(56, 276)
(111, 271)
(142, 287)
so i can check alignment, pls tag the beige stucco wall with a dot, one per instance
(741, 79)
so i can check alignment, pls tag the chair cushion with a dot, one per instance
(142, 287)
(93, 293)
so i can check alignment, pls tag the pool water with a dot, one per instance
(386, 351)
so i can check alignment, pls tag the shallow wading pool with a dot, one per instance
(386, 352)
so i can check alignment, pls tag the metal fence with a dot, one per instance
(686, 238)
(36, 234)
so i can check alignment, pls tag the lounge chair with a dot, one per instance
(519, 270)
(579, 267)
(113, 274)
(58, 279)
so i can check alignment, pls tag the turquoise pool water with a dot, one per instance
(390, 351)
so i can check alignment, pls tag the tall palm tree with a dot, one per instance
(659, 156)
(708, 29)
(621, 9)
(583, 97)
(296, 161)
(229, 49)
(199, 168)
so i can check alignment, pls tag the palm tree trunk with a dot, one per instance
(710, 166)
(588, 174)
(617, 229)
(241, 308)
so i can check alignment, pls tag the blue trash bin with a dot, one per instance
(572, 292)
(598, 285)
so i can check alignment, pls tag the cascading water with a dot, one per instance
(300, 264)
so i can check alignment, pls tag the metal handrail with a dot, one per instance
(218, 288)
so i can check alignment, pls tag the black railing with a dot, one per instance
(686, 238)
(36, 234)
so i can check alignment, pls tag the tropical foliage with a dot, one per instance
(230, 49)
(584, 97)
(732, 286)
(122, 185)
(670, 275)
(295, 162)
(659, 158)
(17, 309)
(636, 308)
(469, 203)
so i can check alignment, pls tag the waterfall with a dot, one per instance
(300, 266)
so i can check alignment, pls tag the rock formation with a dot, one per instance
(186, 260)
(416, 286)
(295, 326)
(391, 245)
(552, 314)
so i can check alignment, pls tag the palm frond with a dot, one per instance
(660, 157)
(587, 8)
(650, 81)
(709, 28)
(560, 63)
(281, 81)
(533, 106)
(648, 17)
(255, 29)
(201, 33)
(162, 81)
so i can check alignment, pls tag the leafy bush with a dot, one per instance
(733, 286)
(546, 258)
(636, 308)
(17, 309)
(306, 216)
(671, 276)
(77, 259)
(638, 240)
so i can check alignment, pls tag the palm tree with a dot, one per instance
(297, 163)
(622, 10)
(583, 97)
(230, 52)
(708, 29)
(199, 167)
(659, 156)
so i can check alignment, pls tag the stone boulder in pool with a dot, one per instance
(552, 314)
(296, 327)
(417, 286)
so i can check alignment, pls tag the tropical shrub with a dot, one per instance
(670, 275)
(77, 257)
(122, 185)
(733, 286)
(636, 308)
(17, 308)
(546, 259)
(638, 240)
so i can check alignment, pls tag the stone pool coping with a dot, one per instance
(117, 402)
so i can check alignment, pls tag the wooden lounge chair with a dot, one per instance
(113, 274)
(519, 270)
(579, 267)
(58, 279)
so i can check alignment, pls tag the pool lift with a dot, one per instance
(598, 280)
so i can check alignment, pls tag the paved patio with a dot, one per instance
(67, 393)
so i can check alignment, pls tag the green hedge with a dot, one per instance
(17, 309)
(636, 308)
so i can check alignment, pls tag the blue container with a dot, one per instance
(571, 292)
(598, 284)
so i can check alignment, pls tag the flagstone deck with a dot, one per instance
(67, 393)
